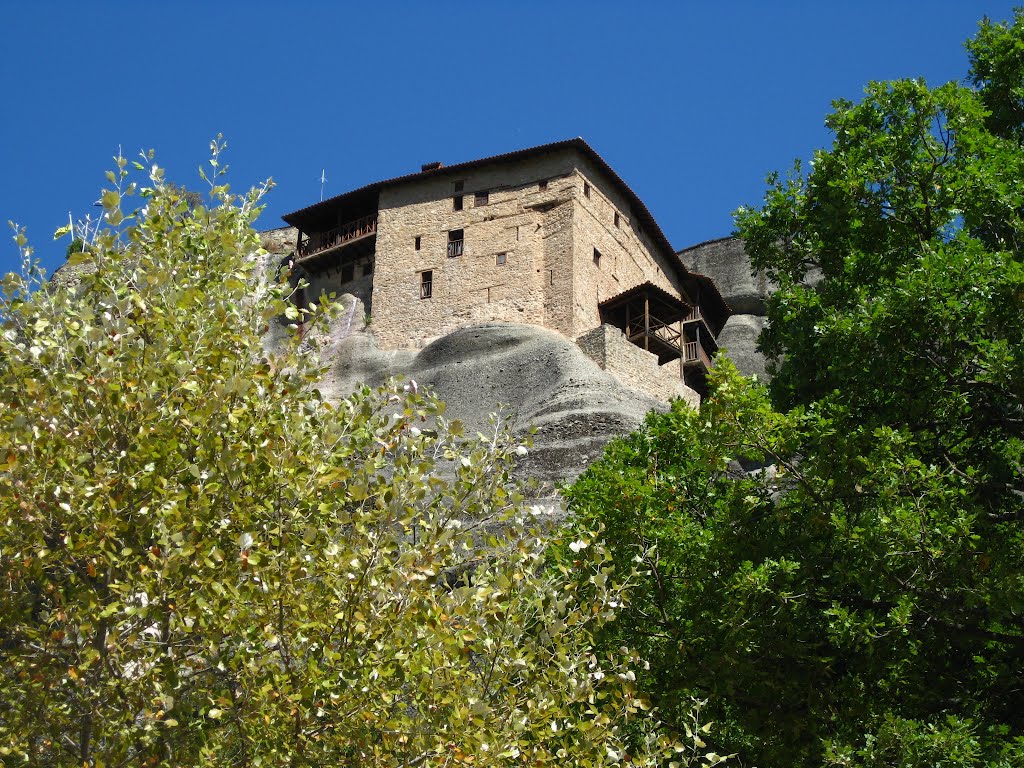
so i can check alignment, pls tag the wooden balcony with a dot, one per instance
(650, 317)
(695, 316)
(316, 244)
(654, 335)
(694, 354)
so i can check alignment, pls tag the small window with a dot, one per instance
(459, 186)
(418, 240)
(457, 203)
(348, 272)
(500, 259)
(542, 185)
(586, 189)
(616, 218)
(455, 243)
(481, 198)
(426, 284)
(367, 268)
(597, 258)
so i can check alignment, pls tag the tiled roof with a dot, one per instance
(647, 288)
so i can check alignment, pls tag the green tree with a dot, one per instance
(859, 601)
(205, 563)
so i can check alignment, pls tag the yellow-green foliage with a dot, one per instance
(203, 562)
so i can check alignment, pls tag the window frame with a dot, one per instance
(456, 242)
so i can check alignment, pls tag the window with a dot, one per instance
(455, 243)
(459, 185)
(457, 203)
(586, 189)
(500, 259)
(542, 185)
(348, 272)
(480, 198)
(367, 268)
(597, 258)
(426, 284)
(616, 218)
(417, 242)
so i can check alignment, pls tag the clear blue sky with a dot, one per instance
(693, 103)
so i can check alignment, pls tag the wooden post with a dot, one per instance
(682, 351)
(647, 322)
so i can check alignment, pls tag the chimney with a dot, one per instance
(430, 166)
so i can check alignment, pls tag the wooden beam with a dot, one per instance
(647, 322)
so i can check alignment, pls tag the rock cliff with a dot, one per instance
(536, 378)
(744, 289)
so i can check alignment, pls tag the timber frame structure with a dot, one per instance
(666, 326)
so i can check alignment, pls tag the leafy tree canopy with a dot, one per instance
(858, 600)
(205, 563)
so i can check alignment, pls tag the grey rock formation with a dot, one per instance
(744, 289)
(739, 340)
(536, 377)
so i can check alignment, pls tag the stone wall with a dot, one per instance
(635, 368)
(530, 251)
(281, 240)
(499, 276)
(628, 256)
(557, 267)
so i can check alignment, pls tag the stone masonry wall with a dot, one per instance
(546, 234)
(628, 257)
(557, 269)
(280, 240)
(515, 223)
(331, 280)
(636, 368)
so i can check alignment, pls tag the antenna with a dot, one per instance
(323, 180)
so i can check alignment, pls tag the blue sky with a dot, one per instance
(693, 103)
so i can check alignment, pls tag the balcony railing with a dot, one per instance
(353, 230)
(454, 248)
(653, 327)
(694, 352)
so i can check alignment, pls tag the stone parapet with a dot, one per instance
(635, 368)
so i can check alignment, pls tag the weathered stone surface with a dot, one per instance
(739, 340)
(280, 240)
(638, 369)
(744, 289)
(544, 243)
(537, 377)
(725, 262)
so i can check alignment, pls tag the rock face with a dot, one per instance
(537, 377)
(745, 290)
